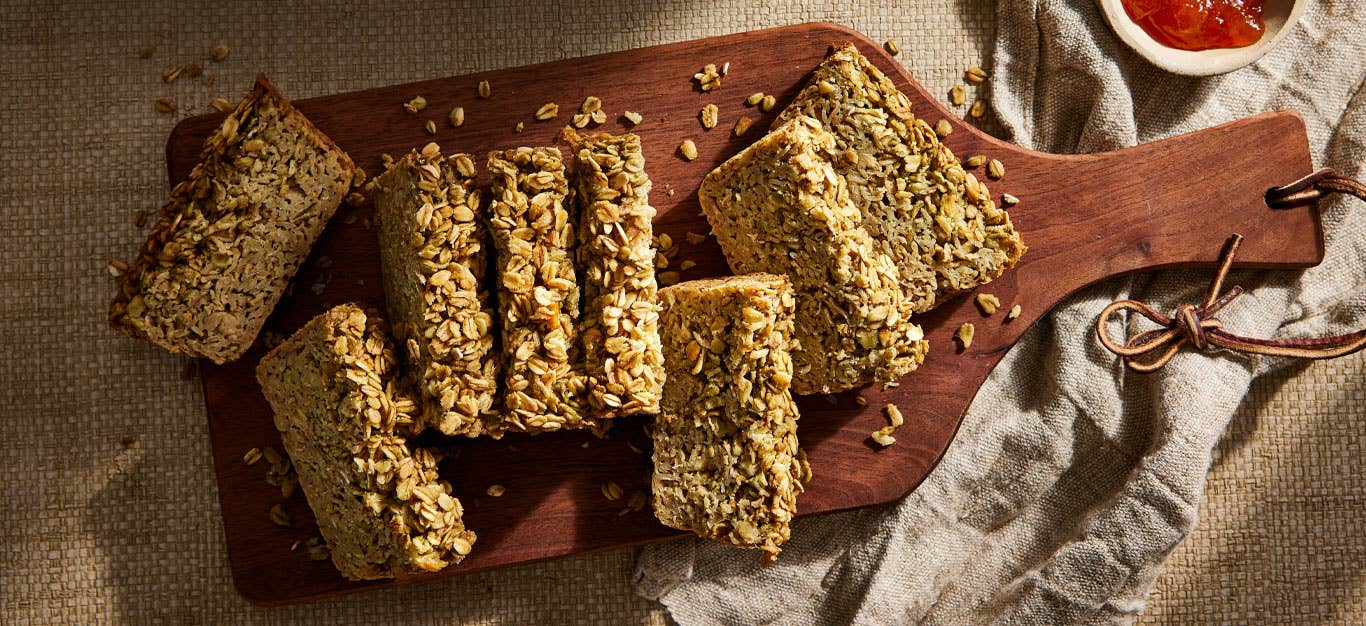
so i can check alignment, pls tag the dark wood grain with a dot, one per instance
(1165, 204)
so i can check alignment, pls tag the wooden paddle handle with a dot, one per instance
(1169, 203)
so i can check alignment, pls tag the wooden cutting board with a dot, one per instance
(1085, 217)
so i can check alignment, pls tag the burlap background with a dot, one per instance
(110, 511)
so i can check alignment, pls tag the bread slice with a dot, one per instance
(726, 462)
(380, 505)
(538, 293)
(779, 207)
(232, 235)
(934, 219)
(432, 251)
(619, 329)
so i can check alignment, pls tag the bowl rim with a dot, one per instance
(1190, 62)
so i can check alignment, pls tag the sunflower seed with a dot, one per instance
(957, 95)
(988, 303)
(965, 334)
(708, 116)
(547, 111)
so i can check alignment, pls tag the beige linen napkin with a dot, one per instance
(1070, 479)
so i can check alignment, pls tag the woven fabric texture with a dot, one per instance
(112, 512)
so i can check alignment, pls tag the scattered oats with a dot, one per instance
(611, 491)
(1014, 312)
(222, 104)
(635, 448)
(317, 549)
(661, 260)
(415, 105)
(194, 70)
(354, 199)
(386, 159)
(147, 51)
(219, 53)
(669, 278)
(891, 47)
(519, 127)
(1009, 200)
(430, 126)
(860, 401)
(591, 104)
(996, 169)
(979, 108)
(695, 238)
(708, 115)
(140, 218)
(295, 546)
(725, 68)
(548, 111)
(584, 446)
(457, 116)
(580, 120)
(485, 90)
(128, 441)
(272, 456)
(252, 456)
(965, 334)
(165, 105)
(171, 73)
(687, 265)
(637, 501)
(767, 103)
(669, 192)
(358, 179)
(754, 98)
(496, 490)
(742, 125)
(279, 516)
(988, 303)
(708, 79)
(976, 160)
(664, 241)
(883, 436)
(323, 262)
(318, 288)
(943, 128)
(688, 149)
(289, 483)
(117, 268)
(957, 96)
(975, 75)
(894, 416)
(632, 117)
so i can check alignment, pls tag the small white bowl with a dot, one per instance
(1277, 17)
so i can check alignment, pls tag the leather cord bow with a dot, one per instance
(1197, 324)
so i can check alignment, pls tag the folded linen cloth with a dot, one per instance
(1071, 479)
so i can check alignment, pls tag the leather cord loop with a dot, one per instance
(1197, 325)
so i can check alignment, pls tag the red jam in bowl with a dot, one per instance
(1199, 24)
